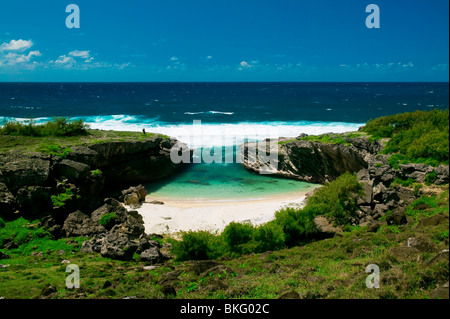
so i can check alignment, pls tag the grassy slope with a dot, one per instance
(332, 268)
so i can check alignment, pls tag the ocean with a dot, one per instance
(229, 114)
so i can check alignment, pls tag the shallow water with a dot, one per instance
(220, 181)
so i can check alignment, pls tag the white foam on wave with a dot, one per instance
(210, 134)
(226, 134)
(209, 112)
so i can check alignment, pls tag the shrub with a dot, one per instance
(269, 236)
(58, 126)
(431, 178)
(296, 224)
(236, 235)
(198, 245)
(418, 136)
(336, 200)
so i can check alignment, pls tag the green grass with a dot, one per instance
(325, 138)
(106, 219)
(406, 183)
(416, 137)
(62, 145)
(333, 268)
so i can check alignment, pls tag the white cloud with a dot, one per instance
(244, 64)
(209, 57)
(174, 58)
(80, 54)
(12, 54)
(16, 45)
(14, 58)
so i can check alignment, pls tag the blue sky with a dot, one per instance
(215, 40)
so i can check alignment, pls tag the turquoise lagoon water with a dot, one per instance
(220, 181)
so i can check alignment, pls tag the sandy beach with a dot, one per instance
(211, 215)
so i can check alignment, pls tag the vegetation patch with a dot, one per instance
(416, 137)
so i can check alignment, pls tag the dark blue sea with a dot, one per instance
(175, 103)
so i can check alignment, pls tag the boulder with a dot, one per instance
(71, 170)
(325, 228)
(384, 174)
(442, 172)
(432, 221)
(117, 246)
(441, 292)
(24, 170)
(79, 224)
(132, 228)
(152, 255)
(34, 199)
(120, 214)
(7, 201)
(93, 245)
(421, 243)
(47, 291)
(145, 242)
(405, 194)
(290, 295)
(131, 199)
(397, 217)
(405, 253)
(441, 256)
(133, 195)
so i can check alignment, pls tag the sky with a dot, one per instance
(224, 40)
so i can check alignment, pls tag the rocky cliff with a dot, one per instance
(320, 162)
(317, 162)
(77, 179)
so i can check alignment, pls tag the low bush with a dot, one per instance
(420, 137)
(58, 126)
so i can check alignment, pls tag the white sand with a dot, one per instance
(175, 215)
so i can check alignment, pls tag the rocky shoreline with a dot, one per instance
(320, 162)
(68, 193)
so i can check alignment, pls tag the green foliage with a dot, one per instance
(297, 224)
(107, 219)
(395, 160)
(269, 236)
(55, 150)
(96, 172)
(422, 205)
(61, 199)
(431, 178)
(421, 137)
(58, 126)
(236, 235)
(337, 199)
(402, 182)
(20, 231)
(2, 223)
(199, 245)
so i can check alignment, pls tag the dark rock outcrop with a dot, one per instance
(79, 224)
(117, 246)
(27, 181)
(314, 162)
